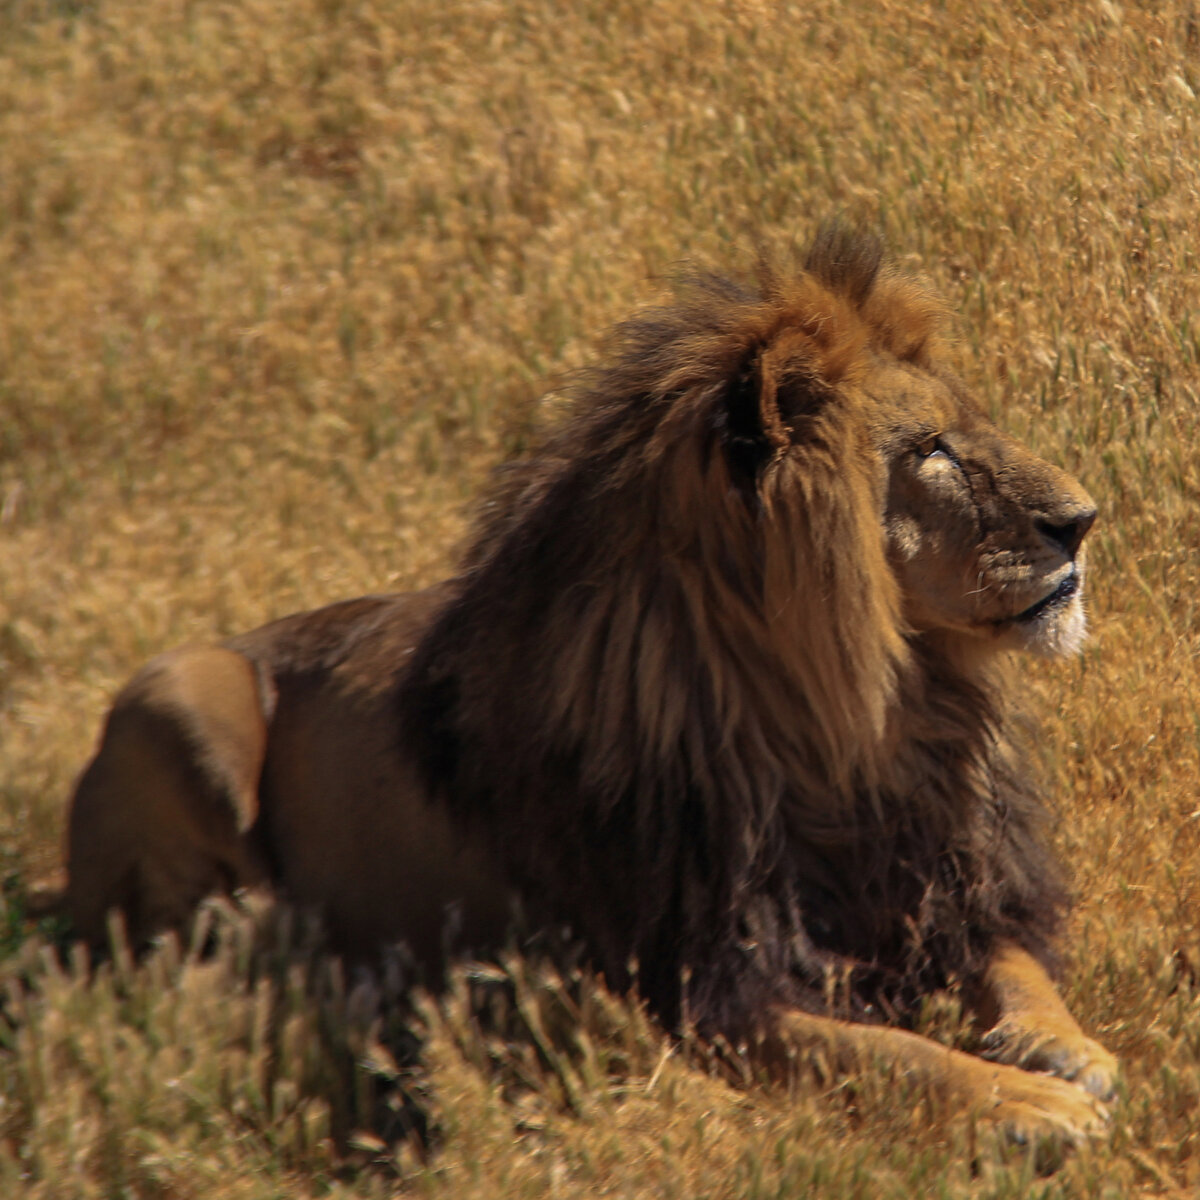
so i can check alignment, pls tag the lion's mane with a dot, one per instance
(673, 689)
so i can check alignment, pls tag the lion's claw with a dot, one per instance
(1043, 1105)
(1066, 1054)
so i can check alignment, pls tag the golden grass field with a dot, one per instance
(280, 279)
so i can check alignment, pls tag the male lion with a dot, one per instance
(722, 686)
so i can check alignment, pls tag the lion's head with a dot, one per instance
(984, 537)
(720, 670)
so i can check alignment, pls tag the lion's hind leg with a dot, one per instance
(160, 816)
(1025, 1105)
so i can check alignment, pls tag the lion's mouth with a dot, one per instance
(1055, 599)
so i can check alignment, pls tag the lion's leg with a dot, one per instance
(160, 815)
(1025, 1104)
(1033, 1028)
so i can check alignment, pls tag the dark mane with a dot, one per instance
(673, 687)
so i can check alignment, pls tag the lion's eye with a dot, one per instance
(930, 446)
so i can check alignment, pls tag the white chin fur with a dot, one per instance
(1059, 633)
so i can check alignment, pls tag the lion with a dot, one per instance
(723, 686)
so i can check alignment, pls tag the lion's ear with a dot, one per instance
(753, 432)
(766, 403)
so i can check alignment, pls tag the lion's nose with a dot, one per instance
(1066, 535)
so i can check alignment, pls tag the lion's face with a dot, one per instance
(984, 536)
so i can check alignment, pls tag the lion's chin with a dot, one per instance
(1056, 628)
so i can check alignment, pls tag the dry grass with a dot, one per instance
(279, 280)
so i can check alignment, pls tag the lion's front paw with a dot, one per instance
(1039, 1106)
(1067, 1053)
